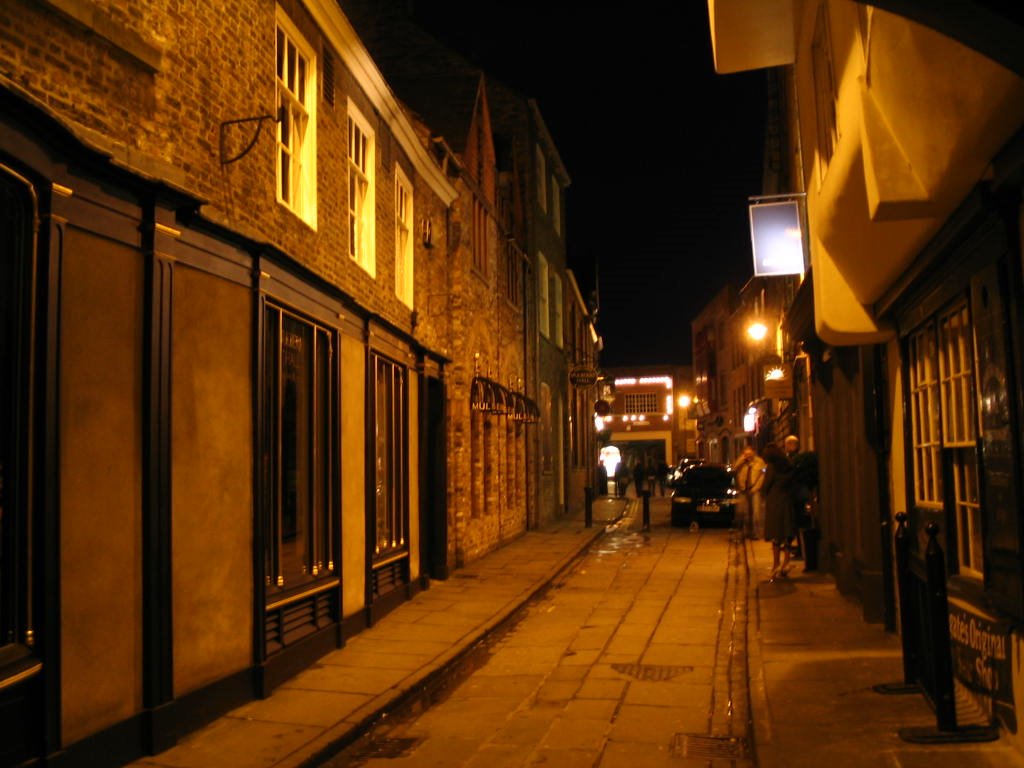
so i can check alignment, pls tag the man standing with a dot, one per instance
(749, 474)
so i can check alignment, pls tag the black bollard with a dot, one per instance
(908, 629)
(936, 660)
(647, 510)
(938, 614)
(588, 506)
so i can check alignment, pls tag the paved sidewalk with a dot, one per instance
(813, 662)
(336, 699)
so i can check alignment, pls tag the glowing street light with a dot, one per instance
(684, 401)
(757, 330)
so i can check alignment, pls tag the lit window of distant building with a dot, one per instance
(642, 402)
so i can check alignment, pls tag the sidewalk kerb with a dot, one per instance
(342, 734)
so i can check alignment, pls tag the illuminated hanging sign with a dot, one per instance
(583, 377)
(778, 384)
(776, 236)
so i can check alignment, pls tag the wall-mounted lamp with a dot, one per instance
(757, 330)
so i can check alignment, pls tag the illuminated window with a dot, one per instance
(543, 307)
(943, 426)
(404, 262)
(300, 388)
(643, 402)
(956, 369)
(296, 131)
(924, 400)
(391, 531)
(361, 209)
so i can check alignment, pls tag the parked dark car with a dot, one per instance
(705, 493)
(675, 474)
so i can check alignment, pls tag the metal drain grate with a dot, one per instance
(655, 673)
(699, 745)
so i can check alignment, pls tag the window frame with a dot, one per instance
(404, 251)
(543, 303)
(390, 445)
(362, 208)
(542, 178)
(479, 239)
(957, 368)
(296, 131)
(556, 204)
(513, 272)
(321, 448)
(641, 403)
(557, 303)
(925, 436)
(943, 440)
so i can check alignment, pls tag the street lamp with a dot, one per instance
(757, 330)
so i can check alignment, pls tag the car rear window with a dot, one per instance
(708, 475)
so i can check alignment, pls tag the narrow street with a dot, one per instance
(636, 657)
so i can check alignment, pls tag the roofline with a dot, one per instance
(342, 35)
(545, 138)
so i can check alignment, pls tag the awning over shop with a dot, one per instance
(488, 396)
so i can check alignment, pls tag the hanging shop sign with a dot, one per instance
(583, 376)
(778, 382)
(776, 236)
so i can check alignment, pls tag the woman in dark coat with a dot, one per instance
(779, 522)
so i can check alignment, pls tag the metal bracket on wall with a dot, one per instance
(259, 119)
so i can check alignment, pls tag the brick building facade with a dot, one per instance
(244, 331)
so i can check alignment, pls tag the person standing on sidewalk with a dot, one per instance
(749, 474)
(639, 474)
(779, 522)
(652, 475)
(621, 478)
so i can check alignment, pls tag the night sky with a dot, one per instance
(662, 152)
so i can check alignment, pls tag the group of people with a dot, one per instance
(645, 475)
(772, 498)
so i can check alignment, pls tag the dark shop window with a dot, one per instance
(390, 444)
(299, 448)
(17, 213)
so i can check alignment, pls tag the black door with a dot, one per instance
(433, 500)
